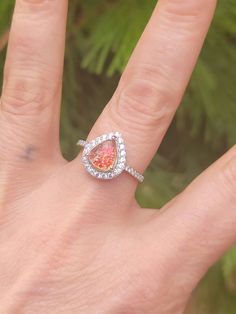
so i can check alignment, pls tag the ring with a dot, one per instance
(105, 157)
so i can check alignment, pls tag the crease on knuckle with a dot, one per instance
(147, 100)
(24, 46)
(26, 96)
(190, 9)
(33, 6)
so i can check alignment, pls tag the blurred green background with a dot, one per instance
(101, 36)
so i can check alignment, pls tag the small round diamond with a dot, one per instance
(120, 166)
(110, 136)
(93, 143)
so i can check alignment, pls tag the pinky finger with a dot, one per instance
(203, 219)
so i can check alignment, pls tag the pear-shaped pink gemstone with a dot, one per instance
(103, 157)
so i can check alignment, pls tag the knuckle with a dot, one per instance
(30, 82)
(26, 95)
(29, 6)
(147, 100)
(27, 48)
(190, 8)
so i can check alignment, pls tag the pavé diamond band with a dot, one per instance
(105, 157)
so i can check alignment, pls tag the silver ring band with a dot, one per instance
(105, 157)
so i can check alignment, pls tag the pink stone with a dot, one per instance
(103, 157)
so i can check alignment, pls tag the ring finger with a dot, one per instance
(155, 79)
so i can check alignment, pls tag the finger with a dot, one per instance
(156, 77)
(32, 81)
(199, 226)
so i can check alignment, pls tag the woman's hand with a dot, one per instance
(70, 243)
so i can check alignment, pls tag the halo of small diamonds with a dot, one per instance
(120, 163)
(105, 157)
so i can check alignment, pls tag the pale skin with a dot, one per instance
(70, 243)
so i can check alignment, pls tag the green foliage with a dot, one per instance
(212, 295)
(126, 19)
(112, 30)
(5, 14)
(229, 270)
(101, 36)
(213, 85)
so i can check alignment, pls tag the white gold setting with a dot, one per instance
(120, 164)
